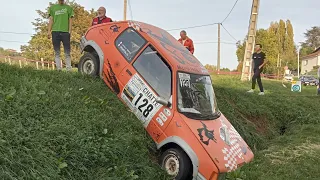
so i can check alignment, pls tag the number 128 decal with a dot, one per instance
(143, 105)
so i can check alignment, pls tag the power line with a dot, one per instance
(8, 32)
(229, 33)
(130, 9)
(214, 42)
(230, 11)
(190, 27)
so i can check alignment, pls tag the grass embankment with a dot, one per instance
(282, 127)
(65, 126)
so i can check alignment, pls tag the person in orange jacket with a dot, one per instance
(186, 41)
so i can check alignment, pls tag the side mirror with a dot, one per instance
(163, 102)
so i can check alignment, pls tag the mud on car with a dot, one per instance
(170, 92)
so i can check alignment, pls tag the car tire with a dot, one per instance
(176, 163)
(89, 65)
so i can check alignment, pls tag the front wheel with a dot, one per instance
(89, 65)
(176, 163)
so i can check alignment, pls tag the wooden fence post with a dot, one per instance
(25, 61)
(5, 59)
(61, 63)
(37, 64)
(48, 65)
(42, 63)
(9, 60)
(20, 63)
(53, 65)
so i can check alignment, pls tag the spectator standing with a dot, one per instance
(186, 41)
(60, 26)
(101, 18)
(259, 60)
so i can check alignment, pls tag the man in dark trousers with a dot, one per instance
(259, 60)
(60, 26)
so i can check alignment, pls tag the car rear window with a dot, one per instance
(129, 43)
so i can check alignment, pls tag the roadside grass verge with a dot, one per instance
(282, 127)
(57, 125)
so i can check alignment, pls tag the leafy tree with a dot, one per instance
(210, 67)
(290, 55)
(41, 47)
(277, 41)
(240, 54)
(312, 41)
(312, 37)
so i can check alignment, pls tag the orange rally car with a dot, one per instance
(170, 92)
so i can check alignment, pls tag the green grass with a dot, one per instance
(58, 125)
(282, 127)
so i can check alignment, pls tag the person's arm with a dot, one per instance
(191, 48)
(70, 25)
(71, 14)
(265, 61)
(50, 23)
(50, 27)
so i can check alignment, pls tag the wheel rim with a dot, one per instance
(88, 66)
(171, 164)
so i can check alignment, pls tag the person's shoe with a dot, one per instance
(250, 91)
(261, 93)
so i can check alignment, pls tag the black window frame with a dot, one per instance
(163, 60)
(138, 52)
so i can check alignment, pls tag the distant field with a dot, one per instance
(65, 126)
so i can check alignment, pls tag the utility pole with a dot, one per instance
(298, 62)
(250, 42)
(125, 10)
(219, 43)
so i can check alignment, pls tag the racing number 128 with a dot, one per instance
(145, 101)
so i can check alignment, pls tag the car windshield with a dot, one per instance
(196, 98)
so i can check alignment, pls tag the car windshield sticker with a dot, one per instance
(184, 80)
(140, 99)
(167, 112)
(206, 135)
(115, 28)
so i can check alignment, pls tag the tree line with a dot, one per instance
(278, 44)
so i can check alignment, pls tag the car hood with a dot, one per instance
(222, 142)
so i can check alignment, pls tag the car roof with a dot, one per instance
(174, 52)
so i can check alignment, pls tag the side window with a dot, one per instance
(129, 43)
(151, 66)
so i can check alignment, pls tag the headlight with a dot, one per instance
(224, 134)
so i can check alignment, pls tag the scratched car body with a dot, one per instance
(170, 92)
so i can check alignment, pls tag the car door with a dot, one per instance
(122, 50)
(150, 77)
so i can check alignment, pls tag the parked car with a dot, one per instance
(288, 77)
(170, 92)
(309, 80)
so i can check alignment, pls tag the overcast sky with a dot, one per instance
(17, 15)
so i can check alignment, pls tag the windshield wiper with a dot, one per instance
(211, 116)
